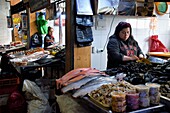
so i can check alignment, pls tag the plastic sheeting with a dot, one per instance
(40, 103)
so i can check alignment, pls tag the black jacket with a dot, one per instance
(46, 44)
(117, 48)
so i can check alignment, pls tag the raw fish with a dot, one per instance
(86, 90)
(78, 84)
(75, 75)
(92, 85)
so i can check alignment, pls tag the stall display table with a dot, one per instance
(43, 63)
(14, 49)
(87, 105)
(98, 108)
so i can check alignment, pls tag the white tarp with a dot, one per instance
(38, 105)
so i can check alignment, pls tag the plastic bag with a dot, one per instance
(84, 36)
(36, 40)
(156, 45)
(38, 103)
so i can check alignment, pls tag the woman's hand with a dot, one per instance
(129, 58)
(134, 57)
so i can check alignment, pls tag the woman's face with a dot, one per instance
(51, 32)
(124, 33)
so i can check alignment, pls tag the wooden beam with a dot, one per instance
(76, 57)
(82, 57)
(15, 30)
(70, 34)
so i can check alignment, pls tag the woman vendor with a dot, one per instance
(49, 38)
(122, 47)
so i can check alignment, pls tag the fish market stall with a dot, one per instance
(133, 102)
(34, 63)
(107, 92)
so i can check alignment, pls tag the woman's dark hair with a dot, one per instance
(49, 28)
(121, 26)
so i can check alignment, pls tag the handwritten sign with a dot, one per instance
(36, 5)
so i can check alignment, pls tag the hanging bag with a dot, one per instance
(36, 40)
(84, 35)
(156, 45)
(84, 20)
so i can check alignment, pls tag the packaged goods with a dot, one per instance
(132, 101)
(142, 90)
(118, 96)
(118, 101)
(155, 99)
(119, 109)
(131, 91)
(154, 94)
(103, 96)
(153, 88)
(133, 107)
(144, 101)
(132, 96)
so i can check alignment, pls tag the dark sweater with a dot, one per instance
(46, 38)
(117, 48)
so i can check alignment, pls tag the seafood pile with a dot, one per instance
(141, 73)
(93, 85)
(31, 51)
(136, 73)
(76, 75)
(123, 96)
(103, 94)
(24, 59)
(82, 81)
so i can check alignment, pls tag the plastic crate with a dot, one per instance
(9, 81)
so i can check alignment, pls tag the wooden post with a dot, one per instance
(70, 34)
(76, 57)
(15, 36)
